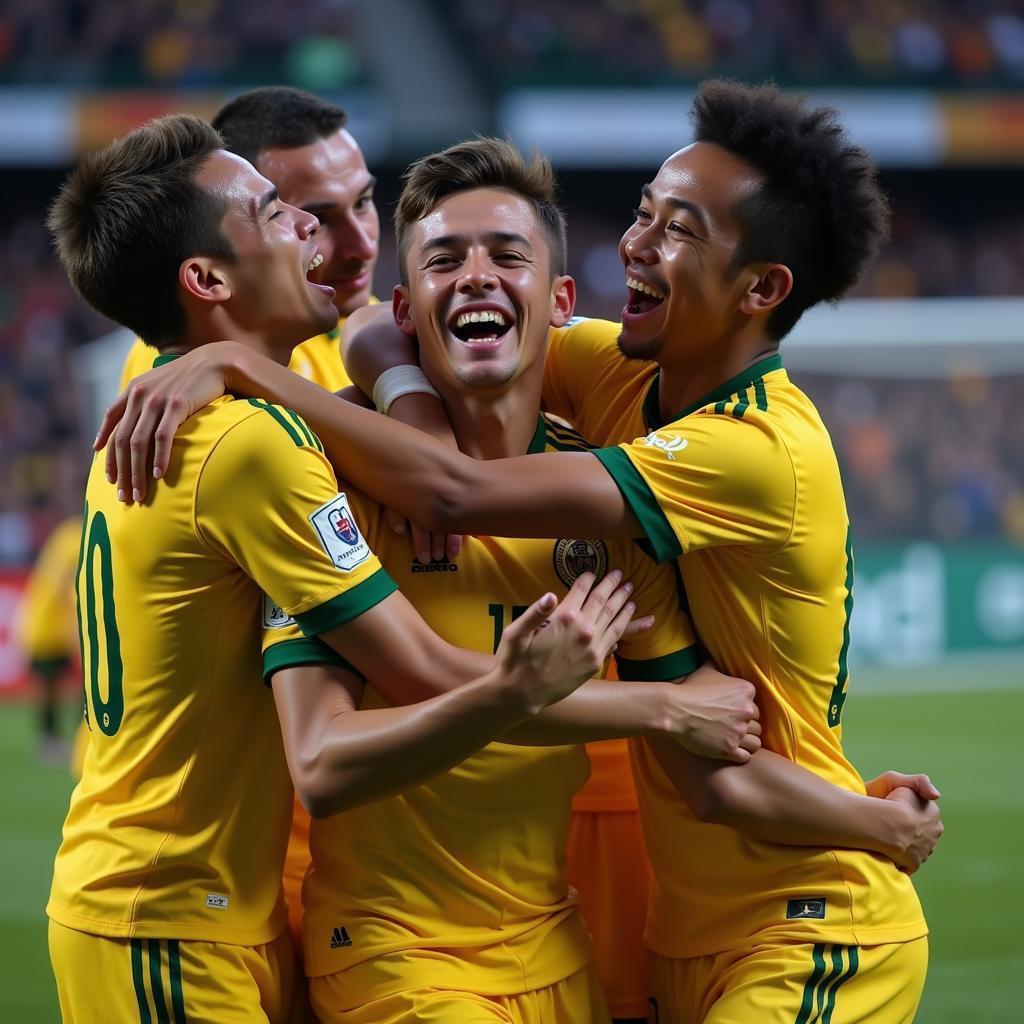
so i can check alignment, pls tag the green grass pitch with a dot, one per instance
(972, 889)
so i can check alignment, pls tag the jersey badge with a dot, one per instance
(336, 527)
(572, 558)
(668, 443)
(274, 616)
(808, 908)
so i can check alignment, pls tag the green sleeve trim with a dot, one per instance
(664, 544)
(348, 606)
(668, 666)
(307, 651)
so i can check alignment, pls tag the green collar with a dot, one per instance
(652, 410)
(540, 438)
(165, 357)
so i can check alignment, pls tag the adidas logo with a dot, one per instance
(340, 939)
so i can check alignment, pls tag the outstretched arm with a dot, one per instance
(547, 495)
(772, 799)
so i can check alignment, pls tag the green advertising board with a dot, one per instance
(916, 602)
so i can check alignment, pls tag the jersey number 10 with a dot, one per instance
(94, 588)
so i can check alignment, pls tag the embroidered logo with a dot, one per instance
(572, 558)
(336, 527)
(215, 901)
(274, 616)
(668, 443)
(809, 908)
(340, 938)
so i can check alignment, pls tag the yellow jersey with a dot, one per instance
(743, 491)
(47, 616)
(460, 882)
(178, 827)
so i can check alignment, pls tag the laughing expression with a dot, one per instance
(683, 292)
(481, 295)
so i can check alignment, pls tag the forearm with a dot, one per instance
(547, 495)
(598, 710)
(772, 799)
(365, 755)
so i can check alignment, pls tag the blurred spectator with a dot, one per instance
(178, 42)
(840, 42)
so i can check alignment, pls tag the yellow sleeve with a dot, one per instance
(705, 481)
(582, 357)
(138, 360)
(267, 500)
(669, 649)
(283, 643)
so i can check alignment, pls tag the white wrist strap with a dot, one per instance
(397, 381)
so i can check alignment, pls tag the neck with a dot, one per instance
(493, 425)
(682, 384)
(217, 326)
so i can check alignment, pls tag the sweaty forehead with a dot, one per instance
(331, 167)
(479, 213)
(708, 175)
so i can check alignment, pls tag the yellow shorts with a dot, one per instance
(159, 981)
(798, 984)
(607, 865)
(575, 1000)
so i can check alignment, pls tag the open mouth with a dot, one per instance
(480, 326)
(315, 262)
(642, 297)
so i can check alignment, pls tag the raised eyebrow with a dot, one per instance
(679, 204)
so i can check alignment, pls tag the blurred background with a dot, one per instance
(920, 376)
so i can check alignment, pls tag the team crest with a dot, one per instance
(572, 558)
(338, 533)
(274, 616)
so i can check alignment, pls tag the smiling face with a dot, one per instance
(328, 178)
(684, 293)
(275, 245)
(481, 294)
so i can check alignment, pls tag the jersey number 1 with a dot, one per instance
(96, 604)
(497, 612)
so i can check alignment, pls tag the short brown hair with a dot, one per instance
(481, 163)
(127, 217)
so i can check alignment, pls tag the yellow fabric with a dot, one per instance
(460, 882)
(574, 1000)
(746, 483)
(138, 360)
(607, 866)
(178, 827)
(793, 984)
(47, 626)
(319, 360)
(103, 980)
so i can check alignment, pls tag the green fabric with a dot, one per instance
(537, 442)
(309, 650)
(156, 981)
(348, 606)
(668, 666)
(664, 544)
(177, 993)
(166, 357)
(652, 409)
(280, 417)
(145, 1017)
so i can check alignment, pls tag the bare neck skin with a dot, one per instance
(205, 328)
(683, 382)
(495, 424)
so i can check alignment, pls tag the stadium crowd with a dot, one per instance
(178, 42)
(839, 41)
